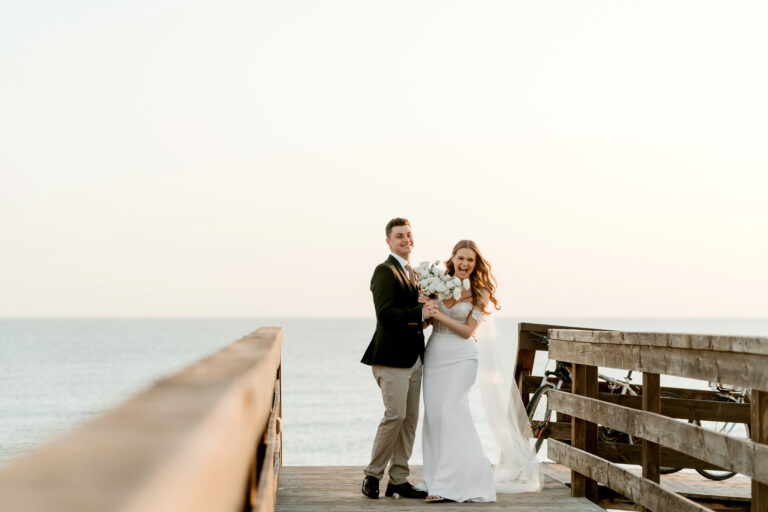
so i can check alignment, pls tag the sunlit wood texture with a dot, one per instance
(732, 360)
(584, 432)
(729, 360)
(651, 403)
(760, 435)
(337, 489)
(185, 444)
(640, 490)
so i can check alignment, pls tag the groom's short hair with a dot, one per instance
(397, 221)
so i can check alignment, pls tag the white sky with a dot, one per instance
(241, 158)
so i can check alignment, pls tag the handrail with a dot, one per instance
(739, 361)
(185, 444)
(733, 360)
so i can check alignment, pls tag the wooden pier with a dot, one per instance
(210, 439)
(337, 488)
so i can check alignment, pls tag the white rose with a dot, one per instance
(437, 262)
(441, 288)
(457, 282)
(466, 284)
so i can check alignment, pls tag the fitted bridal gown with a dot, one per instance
(455, 466)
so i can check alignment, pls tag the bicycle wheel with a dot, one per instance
(731, 429)
(539, 415)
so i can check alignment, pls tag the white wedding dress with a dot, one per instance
(455, 465)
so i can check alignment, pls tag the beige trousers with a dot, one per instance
(400, 390)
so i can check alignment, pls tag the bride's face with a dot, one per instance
(464, 263)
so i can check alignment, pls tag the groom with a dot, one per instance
(395, 357)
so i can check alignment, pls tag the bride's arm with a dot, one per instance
(467, 329)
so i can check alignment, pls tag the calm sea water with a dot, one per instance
(56, 374)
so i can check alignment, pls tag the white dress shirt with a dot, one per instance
(402, 261)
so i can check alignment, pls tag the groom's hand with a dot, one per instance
(423, 298)
(430, 309)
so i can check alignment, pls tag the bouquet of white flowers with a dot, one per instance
(436, 283)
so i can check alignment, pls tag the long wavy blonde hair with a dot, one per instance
(481, 279)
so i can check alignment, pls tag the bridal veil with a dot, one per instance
(517, 469)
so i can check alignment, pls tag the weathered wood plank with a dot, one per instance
(740, 455)
(698, 404)
(338, 489)
(651, 403)
(265, 496)
(735, 344)
(688, 409)
(737, 369)
(526, 341)
(183, 445)
(694, 409)
(623, 453)
(690, 485)
(527, 346)
(760, 435)
(584, 433)
(559, 430)
(640, 490)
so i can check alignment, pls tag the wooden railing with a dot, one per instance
(737, 361)
(205, 439)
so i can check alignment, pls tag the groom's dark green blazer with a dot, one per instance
(399, 338)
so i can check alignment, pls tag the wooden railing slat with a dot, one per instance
(760, 435)
(730, 361)
(651, 403)
(736, 344)
(640, 490)
(185, 444)
(740, 455)
(266, 491)
(748, 370)
(583, 432)
(687, 409)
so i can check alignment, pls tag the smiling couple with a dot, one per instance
(455, 466)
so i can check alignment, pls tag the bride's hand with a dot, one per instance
(423, 297)
(431, 309)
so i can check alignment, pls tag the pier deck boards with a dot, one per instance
(337, 488)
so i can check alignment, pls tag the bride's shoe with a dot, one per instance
(435, 499)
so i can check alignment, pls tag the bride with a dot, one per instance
(455, 466)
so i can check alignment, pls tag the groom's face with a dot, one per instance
(400, 241)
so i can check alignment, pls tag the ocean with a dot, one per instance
(56, 374)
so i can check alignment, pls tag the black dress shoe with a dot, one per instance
(371, 487)
(405, 490)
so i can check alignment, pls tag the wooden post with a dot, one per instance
(584, 433)
(524, 359)
(651, 403)
(759, 426)
(280, 411)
